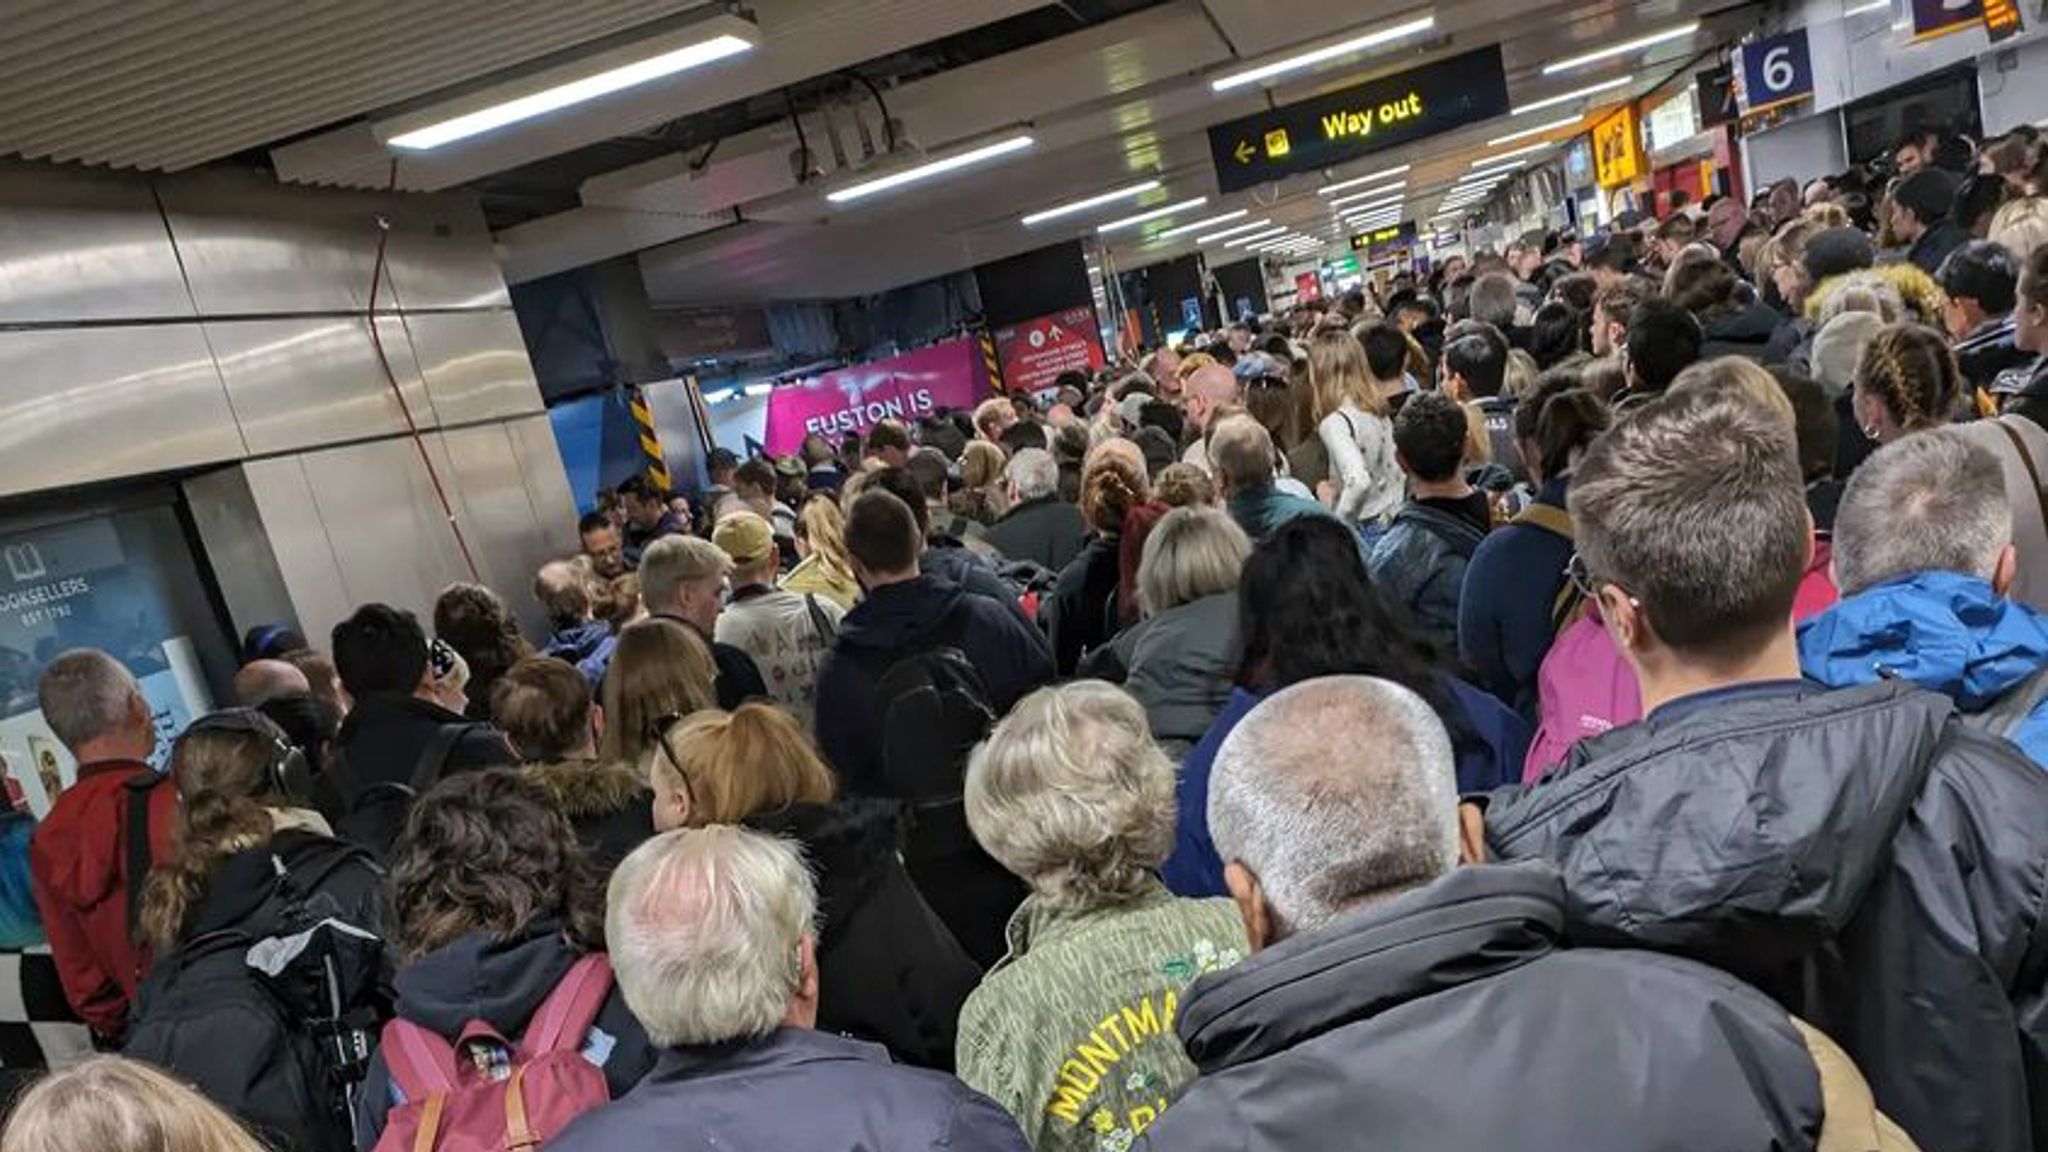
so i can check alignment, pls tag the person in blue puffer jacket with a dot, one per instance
(1308, 609)
(1923, 557)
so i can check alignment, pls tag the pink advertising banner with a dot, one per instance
(907, 388)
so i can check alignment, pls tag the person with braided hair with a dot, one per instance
(1082, 613)
(1907, 382)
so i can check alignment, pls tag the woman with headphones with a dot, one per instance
(266, 932)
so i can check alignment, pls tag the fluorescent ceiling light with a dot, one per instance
(569, 84)
(1574, 94)
(1489, 176)
(1860, 9)
(1538, 130)
(1238, 230)
(1341, 185)
(1110, 197)
(1317, 56)
(1497, 157)
(1284, 244)
(1370, 194)
(1375, 221)
(1153, 214)
(1255, 237)
(1197, 226)
(933, 168)
(1622, 49)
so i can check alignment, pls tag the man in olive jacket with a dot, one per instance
(1858, 855)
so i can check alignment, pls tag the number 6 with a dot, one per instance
(1778, 69)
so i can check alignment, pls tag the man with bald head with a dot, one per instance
(1242, 460)
(261, 681)
(1206, 390)
(1387, 982)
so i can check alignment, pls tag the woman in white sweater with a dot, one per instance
(1365, 487)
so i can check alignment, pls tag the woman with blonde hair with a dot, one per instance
(1365, 486)
(1182, 661)
(248, 860)
(890, 971)
(982, 497)
(660, 670)
(824, 568)
(1071, 794)
(1907, 382)
(2021, 225)
(110, 1104)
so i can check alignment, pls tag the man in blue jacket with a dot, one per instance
(1923, 558)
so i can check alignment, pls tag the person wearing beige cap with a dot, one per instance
(787, 634)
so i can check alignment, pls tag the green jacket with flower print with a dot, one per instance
(1072, 1031)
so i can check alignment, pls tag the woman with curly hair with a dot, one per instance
(495, 903)
(475, 622)
(1071, 794)
(1083, 611)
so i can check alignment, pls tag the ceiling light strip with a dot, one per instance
(1328, 52)
(1341, 185)
(926, 171)
(1077, 206)
(1622, 49)
(1153, 214)
(1369, 194)
(1239, 230)
(1538, 130)
(1574, 94)
(1255, 237)
(1199, 225)
(1490, 161)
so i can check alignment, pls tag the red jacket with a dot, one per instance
(77, 858)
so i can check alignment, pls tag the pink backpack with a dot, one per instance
(1585, 688)
(455, 1101)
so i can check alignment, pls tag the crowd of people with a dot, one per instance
(1592, 696)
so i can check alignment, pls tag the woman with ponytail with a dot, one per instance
(256, 873)
(1907, 382)
(1083, 611)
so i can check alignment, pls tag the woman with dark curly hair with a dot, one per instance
(476, 623)
(495, 902)
(1308, 609)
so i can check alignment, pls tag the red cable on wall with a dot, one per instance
(391, 377)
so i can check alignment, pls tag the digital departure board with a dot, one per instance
(1365, 118)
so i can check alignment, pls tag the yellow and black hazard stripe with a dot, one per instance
(994, 362)
(650, 442)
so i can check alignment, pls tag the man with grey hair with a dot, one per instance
(712, 934)
(1924, 559)
(80, 866)
(1039, 526)
(1243, 464)
(1857, 854)
(1400, 1003)
(684, 578)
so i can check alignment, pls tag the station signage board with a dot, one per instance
(1716, 88)
(1035, 352)
(1379, 114)
(1773, 72)
(1385, 243)
(1936, 18)
(1617, 148)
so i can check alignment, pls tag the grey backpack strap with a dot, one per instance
(2011, 710)
(820, 622)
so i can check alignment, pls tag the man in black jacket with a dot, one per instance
(381, 656)
(1039, 526)
(1858, 855)
(1393, 1003)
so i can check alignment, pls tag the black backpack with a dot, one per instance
(2004, 717)
(272, 1018)
(934, 708)
(376, 813)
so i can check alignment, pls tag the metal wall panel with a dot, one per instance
(83, 246)
(547, 482)
(245, 564)
(83, 404)
(437, 262)
(505, 534)
(475, 364)
(302, 383)
(251, 248)
(388, 537)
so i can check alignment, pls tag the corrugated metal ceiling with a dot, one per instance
(168, 84)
